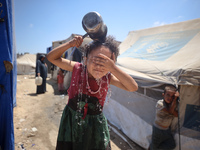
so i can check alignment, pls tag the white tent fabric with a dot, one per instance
(177, 45)
(126, 111)
(155, 57)
(26, 64)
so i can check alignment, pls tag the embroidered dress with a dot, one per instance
(83, 125)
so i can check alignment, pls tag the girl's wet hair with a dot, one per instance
(110, 43)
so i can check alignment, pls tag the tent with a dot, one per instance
(8, 74)
(168, 54)
(26, 64)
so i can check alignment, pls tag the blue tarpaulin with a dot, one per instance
(7, 78)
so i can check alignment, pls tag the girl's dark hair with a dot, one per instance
(110, 43)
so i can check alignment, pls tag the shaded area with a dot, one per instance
(32, 94)
(121, 140)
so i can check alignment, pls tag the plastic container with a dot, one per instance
(38, 81)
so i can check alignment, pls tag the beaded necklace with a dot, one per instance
(88, 86)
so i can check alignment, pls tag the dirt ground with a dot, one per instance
(37, 117)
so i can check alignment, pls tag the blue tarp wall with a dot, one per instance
(7, 79)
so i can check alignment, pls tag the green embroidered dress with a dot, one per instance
(83, 126)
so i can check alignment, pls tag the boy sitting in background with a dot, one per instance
(60, 80)
(162, 137)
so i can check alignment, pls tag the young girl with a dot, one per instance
(60, 80)
(162, 137)
(83, 125)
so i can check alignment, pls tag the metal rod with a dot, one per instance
(178, 100)
(85, 35)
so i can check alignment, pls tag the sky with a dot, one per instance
(40, 22)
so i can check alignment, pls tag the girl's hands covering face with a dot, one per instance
(104, 62)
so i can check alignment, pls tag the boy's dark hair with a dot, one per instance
(171, 87)
(109, 43)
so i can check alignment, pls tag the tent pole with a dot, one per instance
(178, 100)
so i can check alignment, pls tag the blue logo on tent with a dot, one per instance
(159, 47)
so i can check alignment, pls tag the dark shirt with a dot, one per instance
(41, 68)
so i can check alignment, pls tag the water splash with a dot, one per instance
(80, 95)
(109, 92)
(98, 81)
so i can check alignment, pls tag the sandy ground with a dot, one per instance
(37, 117)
